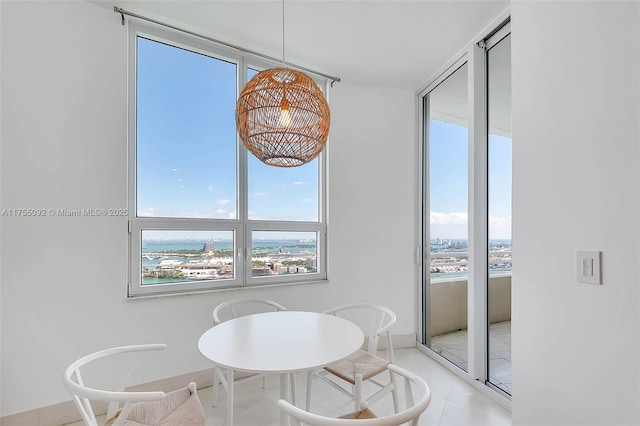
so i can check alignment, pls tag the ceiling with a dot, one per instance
(392, 43)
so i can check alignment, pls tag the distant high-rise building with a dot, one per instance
(312, 263)
(208, 247)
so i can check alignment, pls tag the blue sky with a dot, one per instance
(186, 145)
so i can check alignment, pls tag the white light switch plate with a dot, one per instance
(588, 267)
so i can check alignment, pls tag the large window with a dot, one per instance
(204, 213)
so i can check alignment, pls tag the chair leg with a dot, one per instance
(292, 386)
(229, 397)
(309, 380)
(358, 392)
(216, 381)
(394, 391)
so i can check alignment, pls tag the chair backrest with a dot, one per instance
(83, 394)
(410, 414)
(241, 307)
(374, 320)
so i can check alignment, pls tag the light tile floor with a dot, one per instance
(453, 401)
(453, 346)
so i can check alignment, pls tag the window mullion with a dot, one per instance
(243, 251)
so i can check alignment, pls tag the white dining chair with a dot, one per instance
(233, 309)
(178, 407)
(365, 365)
(365, 416)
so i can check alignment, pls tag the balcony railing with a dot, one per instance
(448, 307)
(448, 325)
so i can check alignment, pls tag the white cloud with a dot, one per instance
(223, 201)
(150, 212)
(220, 211)
(192, 214)
(298, 182)
(259, 194)
(307, 200)
(455, 225)
(174, 170)
(210, 188)
(231, 215)
(453, 218)
(500, 221)
(452, 225)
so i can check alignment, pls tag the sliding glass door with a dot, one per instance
(466, 213)
(446, 129)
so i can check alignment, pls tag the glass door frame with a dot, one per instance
(490, 42)
(475, 55)
(425, 254)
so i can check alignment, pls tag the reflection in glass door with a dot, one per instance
(499, 213)
(445, 281)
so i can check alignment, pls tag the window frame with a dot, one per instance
(241, 226)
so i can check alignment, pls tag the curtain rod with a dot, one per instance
(123, 12)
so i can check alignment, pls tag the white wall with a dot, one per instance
(64, 146)
(576, 108)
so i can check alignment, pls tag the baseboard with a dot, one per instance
(400, 341)
(66, 412)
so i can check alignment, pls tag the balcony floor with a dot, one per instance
(454, 346)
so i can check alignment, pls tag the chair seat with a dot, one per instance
(359, 415)
(361, 363)
(181, 407)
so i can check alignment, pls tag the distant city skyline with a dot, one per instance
(185, 235)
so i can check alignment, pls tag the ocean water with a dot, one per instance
(267, 246)
(151, 246)
(155, 251)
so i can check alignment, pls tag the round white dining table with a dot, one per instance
(283, 343)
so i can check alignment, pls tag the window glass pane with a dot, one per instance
(186, 136)
(499, 205)
(186, 256)
(283, 253)
(448, 176)
(282, 193)
(447, 109)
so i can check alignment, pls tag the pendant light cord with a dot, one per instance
(283, 33)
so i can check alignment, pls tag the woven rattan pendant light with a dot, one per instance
(282, 116)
